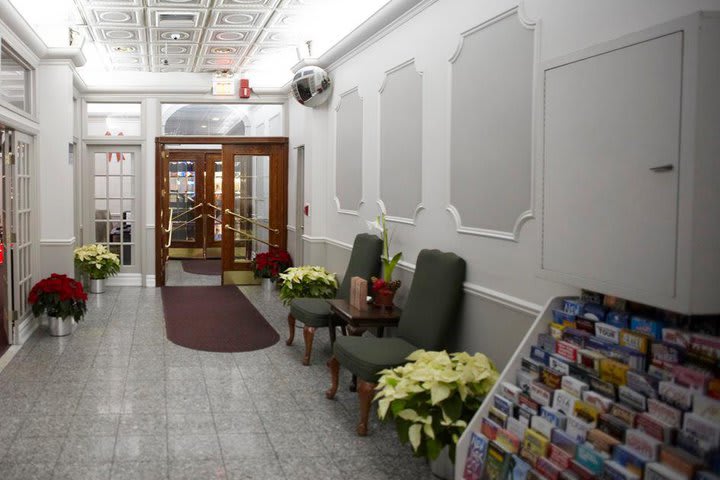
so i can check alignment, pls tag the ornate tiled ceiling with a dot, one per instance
(193, 35)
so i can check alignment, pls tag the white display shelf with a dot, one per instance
(540, 325)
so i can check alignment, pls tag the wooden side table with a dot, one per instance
(357, 321)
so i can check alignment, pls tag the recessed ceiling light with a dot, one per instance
(215, 119)
(124, 49)
(203, 126)
(223, 50)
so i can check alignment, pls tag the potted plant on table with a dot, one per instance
(269, 265)
(432, 398)
(62, 299)
(383, 289)
(98, 262)
(307, 282)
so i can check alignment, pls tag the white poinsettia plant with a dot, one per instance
(433, 397)
(307, 282)
(97, 261)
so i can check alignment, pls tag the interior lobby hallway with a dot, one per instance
(117, 400)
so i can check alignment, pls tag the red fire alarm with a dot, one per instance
(244, 88)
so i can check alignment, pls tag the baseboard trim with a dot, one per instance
(27, 328)
(150, 281)
(7, 357)
(125, 280)
(508, 301)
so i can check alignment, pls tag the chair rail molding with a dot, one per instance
(504, 299)
(529, 213)
(338, 207)
(383, 207)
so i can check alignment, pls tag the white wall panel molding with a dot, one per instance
(400, 145)
(491, 112)
(348, 164)
(150, 281)
(58, 242)
(508, 301)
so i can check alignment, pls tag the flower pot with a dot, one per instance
(60, 327)
(267, 285)
(442, 466)
(97, 285)
(384, 298)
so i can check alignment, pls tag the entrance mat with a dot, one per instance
(215, 319)
(203, 267)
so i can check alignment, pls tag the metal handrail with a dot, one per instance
(228, 227)
(213, 206)
(246, 219)
(189, 221)
(188, 211)
(169, 230)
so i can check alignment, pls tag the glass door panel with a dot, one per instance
(186, 204)
(255, 190)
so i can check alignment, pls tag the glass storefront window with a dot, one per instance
(213, 119)
(113, 119)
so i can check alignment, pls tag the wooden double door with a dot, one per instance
(229, 202)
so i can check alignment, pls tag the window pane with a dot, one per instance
(101, 162)
(100, 187)
(101, 209)
(128, 187)
(114, 163)
(128, 232)
(101, 232)
(113, 119)
(127, 164)
(114, 187)
(220, 119)
(14, 80)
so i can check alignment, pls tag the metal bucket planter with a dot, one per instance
(267, 285)
(97, 285)
(61, 327)
(442, 467)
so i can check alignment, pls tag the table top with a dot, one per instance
(371, 316)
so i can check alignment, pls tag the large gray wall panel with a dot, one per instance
(348, 151)
(491, 127)
(401, 141)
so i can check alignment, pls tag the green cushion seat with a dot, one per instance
(366, 356)
(313, 312)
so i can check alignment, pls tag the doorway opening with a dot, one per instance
(219, 202)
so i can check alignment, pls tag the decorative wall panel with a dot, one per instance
(348, 152)
(401, 143)
(491, 127)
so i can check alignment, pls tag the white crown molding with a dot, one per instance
(338, 207)
(58, 242)
(514, 235)
(419, 206)
(504, 299)
(390, 17)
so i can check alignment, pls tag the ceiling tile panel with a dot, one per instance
(178, 3)
(177, 18)
(229, 35)
(173, 48)
(117, 17)
(237, 18)
(184, 35)
(105, 34)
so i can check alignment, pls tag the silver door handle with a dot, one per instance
(663, 168)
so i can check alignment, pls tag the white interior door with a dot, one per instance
(300, 207)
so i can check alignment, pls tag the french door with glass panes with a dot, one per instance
(17, 232)
(115, 210)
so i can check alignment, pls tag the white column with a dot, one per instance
(53, 167)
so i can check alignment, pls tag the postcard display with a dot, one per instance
(595, 391)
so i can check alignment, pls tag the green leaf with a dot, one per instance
(452, 407)
(402, 426)
(397, 406)
(433, 447)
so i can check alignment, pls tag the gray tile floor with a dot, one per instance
(117, 400)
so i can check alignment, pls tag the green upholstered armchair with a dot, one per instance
(315, 312)
(431, 308)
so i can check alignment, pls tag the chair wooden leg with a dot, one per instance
(334, 367)
(366, 391)
(308, 335)
(291, 326)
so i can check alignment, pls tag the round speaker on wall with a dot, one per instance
(311, 86)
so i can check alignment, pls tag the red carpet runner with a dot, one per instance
(215, 319)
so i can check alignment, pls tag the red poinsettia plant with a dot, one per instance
(380, 285)
(58, 296)
(271, 264)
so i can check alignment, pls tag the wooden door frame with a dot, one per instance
(198, 158)
(161, 141)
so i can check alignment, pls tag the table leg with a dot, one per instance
(331, 322)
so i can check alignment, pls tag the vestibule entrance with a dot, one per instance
(220, 197)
